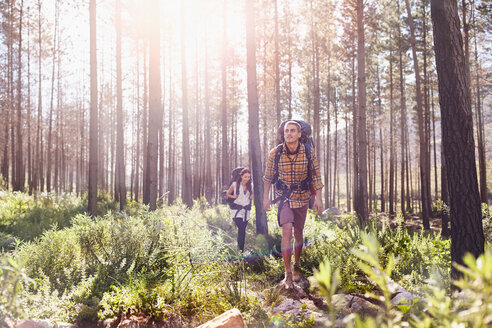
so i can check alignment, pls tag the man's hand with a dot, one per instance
(318, 204)
(266, 203)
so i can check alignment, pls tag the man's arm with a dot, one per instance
(266, 197)
(318, 203)
(267, 179)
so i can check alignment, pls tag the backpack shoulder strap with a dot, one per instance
(278, 152)
(307, 147)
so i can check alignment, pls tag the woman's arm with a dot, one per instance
(230, 192)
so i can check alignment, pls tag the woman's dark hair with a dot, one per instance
(239, 178)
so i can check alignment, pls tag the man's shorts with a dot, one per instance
(293, 215)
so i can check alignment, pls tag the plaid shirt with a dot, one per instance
(294, 171)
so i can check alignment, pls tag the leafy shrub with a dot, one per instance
(27, 217)
(470, 308)
(56, 256)
(7, 242)
(13, 279)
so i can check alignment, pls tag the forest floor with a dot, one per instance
(413, 223)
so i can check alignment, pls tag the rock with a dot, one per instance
(394, 288)
(334, 211)
(347, 304)
(362, 306)
(134, 320)
(25, 323)
(110, 323)
(404, 298)
(303, 283)
(294, 308)
(400, 295)
(330, 213)
(288, 307)
(230, 319)
(7, 323)
(295, 293)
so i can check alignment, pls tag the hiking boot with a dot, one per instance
(288, 280)
(296, 274)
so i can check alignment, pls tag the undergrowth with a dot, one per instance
(183, 263)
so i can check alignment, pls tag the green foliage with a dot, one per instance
(470, 308)
(27, 217)
(439, 206)
(13, 279)
(369, 262)
(179, 262)
(327, 280)
(137, 261)
(7, 242)
(55, 256)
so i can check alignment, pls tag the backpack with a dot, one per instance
(308, 143)
(305, 130)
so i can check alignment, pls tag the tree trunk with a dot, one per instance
(316, 91)
(289, 60)
(355, 147)
(335, 148)
(145, 135)
(403, 120)
(223, 113)
(391, 196)
(49, 159)
(347, 166)
(155, 105)
(120, 148)
(29, 146)
(482, 162)
(434, 141)
(381, 144)
(208, 185)
(93, 127)
(138, 156)
(10, 93)
(328, 143)
(423, 140)
(186, 183)
(253, 108)
(38, 176)
(361, 208)
(20, 170)
(277, 69)
(59, 116)
(457, 134)
(445, 231)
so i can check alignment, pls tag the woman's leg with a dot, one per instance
(241, 232)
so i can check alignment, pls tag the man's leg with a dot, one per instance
(298, 243)
(287, 246)
(287, 252)
(299, 221)
(287, 222)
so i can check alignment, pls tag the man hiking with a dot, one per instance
(293, 168)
